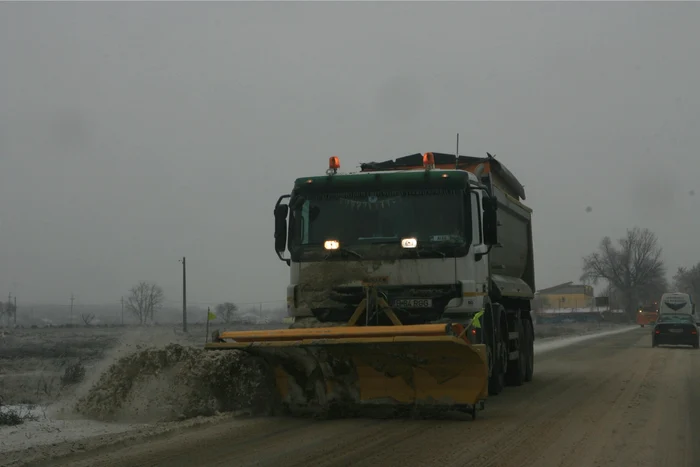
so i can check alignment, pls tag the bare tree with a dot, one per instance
(87, 318)
(634, 269)
(227, 311)
(145, 298)
(688, 280)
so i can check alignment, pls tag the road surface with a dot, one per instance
(606, 402)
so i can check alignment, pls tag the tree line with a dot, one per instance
(634, 270)
(146, 298)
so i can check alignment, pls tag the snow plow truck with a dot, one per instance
(410, 285)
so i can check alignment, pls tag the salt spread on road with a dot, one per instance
(547, 345)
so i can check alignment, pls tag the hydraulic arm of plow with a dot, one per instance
(375, 303)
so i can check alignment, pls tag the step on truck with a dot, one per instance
(410, 285)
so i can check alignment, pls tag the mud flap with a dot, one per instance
(421, 370)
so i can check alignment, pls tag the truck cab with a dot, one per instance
(648, 314)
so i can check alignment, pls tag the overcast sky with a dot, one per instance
(132, 134)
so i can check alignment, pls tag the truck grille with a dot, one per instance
(416, 297)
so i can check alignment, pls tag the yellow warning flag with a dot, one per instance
(476, 323)
(210, 316)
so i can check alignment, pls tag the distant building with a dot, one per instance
(566, 295)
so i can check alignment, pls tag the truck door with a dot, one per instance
(478, 269)
(472, 274)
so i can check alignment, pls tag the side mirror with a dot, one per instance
(490, 221)
(281, 211)
(481, 249)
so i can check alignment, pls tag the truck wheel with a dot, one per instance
(492, 339)
(517, 368)
(497, 379)
(530, 338)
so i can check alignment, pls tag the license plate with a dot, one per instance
(413, 303)
(676, 330)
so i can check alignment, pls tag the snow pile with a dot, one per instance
(39, 429)
(178, 382)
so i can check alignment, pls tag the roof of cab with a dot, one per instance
(444, 161)
(409, 179)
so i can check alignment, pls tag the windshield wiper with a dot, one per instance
(346, 251)
(379, 240)
(430, 250)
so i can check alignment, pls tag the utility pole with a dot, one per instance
(184, 296)
(72, 298)
(122, 311)
(15, 311)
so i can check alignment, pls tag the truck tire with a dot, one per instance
(517, 368)
(491, 337)
(530, 362)
(497, 378)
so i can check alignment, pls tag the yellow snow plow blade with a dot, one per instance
(427, 365)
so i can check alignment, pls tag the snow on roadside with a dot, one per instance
(546, 345)
(43, 430)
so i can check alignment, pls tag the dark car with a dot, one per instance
(675, 329)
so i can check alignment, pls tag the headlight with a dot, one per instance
(409, 242)
(331, 244)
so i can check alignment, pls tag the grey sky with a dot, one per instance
(132, 134)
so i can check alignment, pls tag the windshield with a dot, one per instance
(365, 219)
(676, 319)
